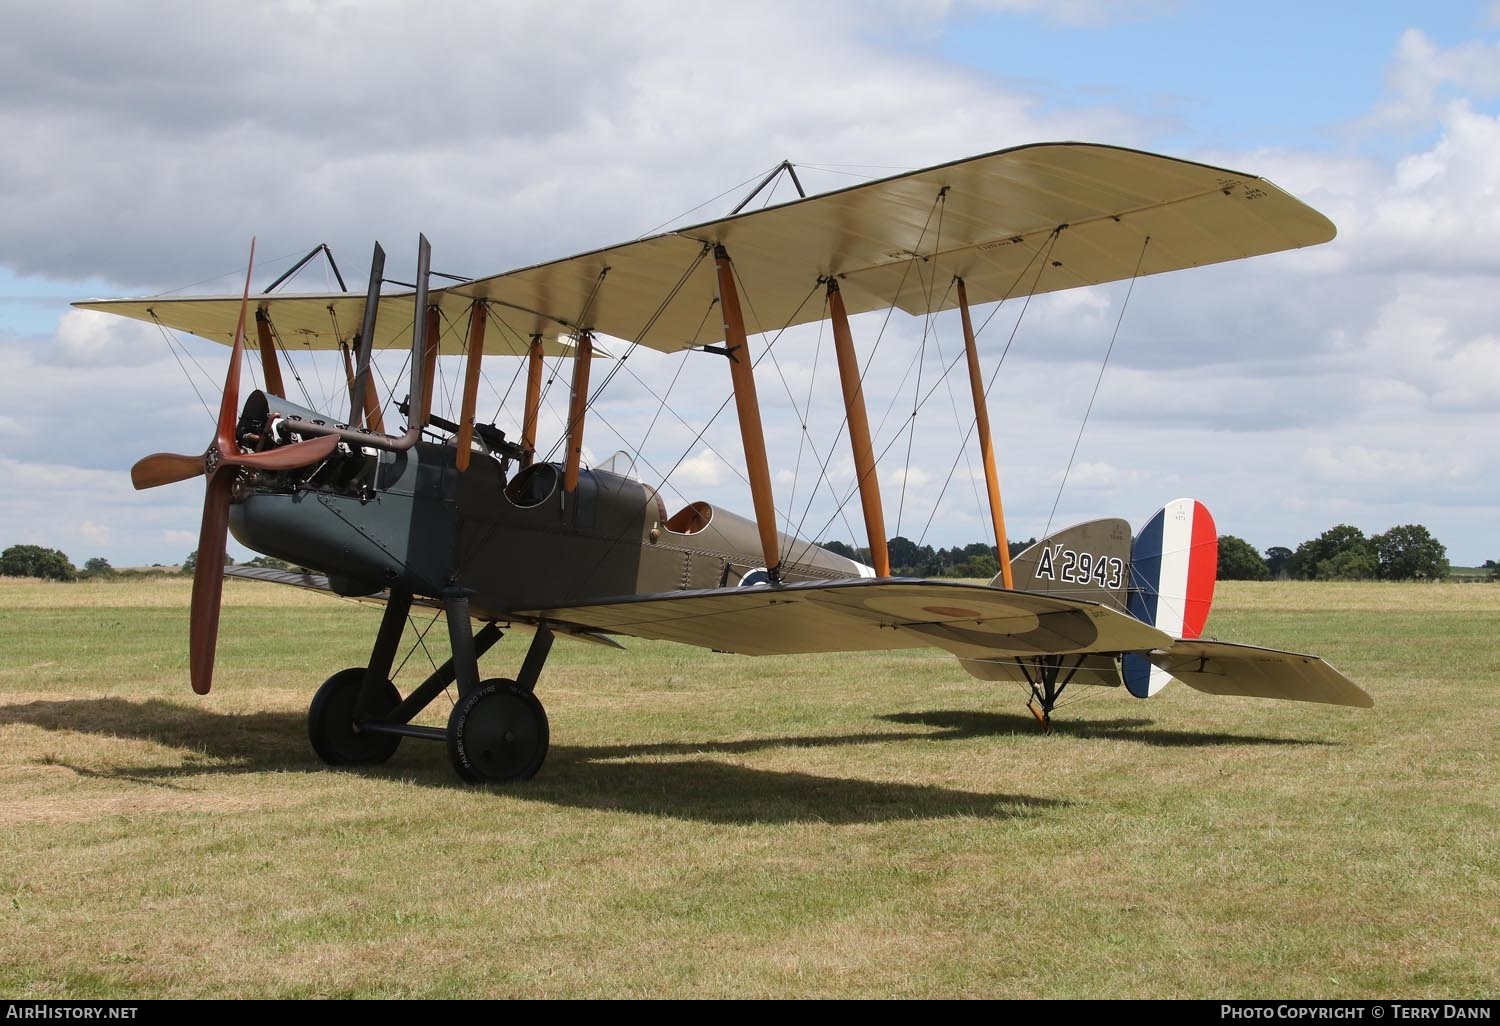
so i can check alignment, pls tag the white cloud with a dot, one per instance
(1422, 75)
(701, 471)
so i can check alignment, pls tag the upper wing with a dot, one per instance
(897, 241)
(854, 615)
(1224, 668)
(321, 322)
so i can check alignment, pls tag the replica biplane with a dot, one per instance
(454, 514)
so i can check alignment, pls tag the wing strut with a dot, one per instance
(533, 400)
(577, 410)
(478, 314)
(986, 447)
(742, 370)
(432, 327)
(268, 362)
(363, 395)
(859, 431)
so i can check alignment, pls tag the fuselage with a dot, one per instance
(411, 520)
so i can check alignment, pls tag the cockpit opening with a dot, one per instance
(690, 519)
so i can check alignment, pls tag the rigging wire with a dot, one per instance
(802, 437)
(291, 364)
(581, 319)
(911, 434)
(584, 576)
(171, 348)
(420, 640)
(995, 374)
(520, 351)
(1095, 394)
(958, 423)
(711, 199)
(1039, 253)
(771, 355)
(870, 362)
(270, 261)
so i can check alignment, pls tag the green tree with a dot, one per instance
(1308, 562)
(1494, 569)
(1238, 561)
(1355, 563)
(1277, 558)
(97, 566)
(983, 565)
(908, 559)
(1410, 553)
(35, 561)
(270, 562)
(191, 562)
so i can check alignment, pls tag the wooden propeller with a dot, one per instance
(223, 452)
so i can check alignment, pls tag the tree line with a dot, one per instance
(1342, 553)
(54, 565)
(1408, 552)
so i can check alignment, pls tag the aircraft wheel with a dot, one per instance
(330, 722)
(498, 733)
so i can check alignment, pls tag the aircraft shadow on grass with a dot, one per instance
(962, 723)
(603, 777)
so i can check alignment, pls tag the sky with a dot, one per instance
(1357, 382)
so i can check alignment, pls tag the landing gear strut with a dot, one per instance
(497, 732)
(1042, 675)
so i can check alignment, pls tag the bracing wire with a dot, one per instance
(172, 348)
(870, 362)
(1097, 380)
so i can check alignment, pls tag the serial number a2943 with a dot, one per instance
(1080, 567)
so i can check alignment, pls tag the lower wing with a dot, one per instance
(968, 620)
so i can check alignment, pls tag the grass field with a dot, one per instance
(712, 825)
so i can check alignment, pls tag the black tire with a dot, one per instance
(498, 734)
(330, 722)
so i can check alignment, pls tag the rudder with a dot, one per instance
(1173, 566)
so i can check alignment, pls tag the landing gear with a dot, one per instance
(1042, 674)
(330, 722)
(498, 733)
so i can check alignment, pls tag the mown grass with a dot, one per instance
(712, 825)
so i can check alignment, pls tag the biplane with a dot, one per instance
(457, 515)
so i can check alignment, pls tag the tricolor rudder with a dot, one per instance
(1173, 565)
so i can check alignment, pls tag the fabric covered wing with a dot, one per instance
(321, 322)
(988, 219)
(1224, 668)
(840, 616)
